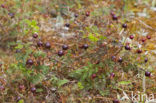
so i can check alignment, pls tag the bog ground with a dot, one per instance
(78, 51)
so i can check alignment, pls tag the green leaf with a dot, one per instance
(124, 82)
(77, 73)
(44, 69)
(103, 37)
(19, 46)
(21, 101)
(39, 53)
(104, 93)
(39, 90)
(92, 38)
(37, 78)
(84, 76)
(35, 29)
(54, 80)
(34, 22)
(28, 21)
(95, 29)
(80, 85)
(62, 82)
